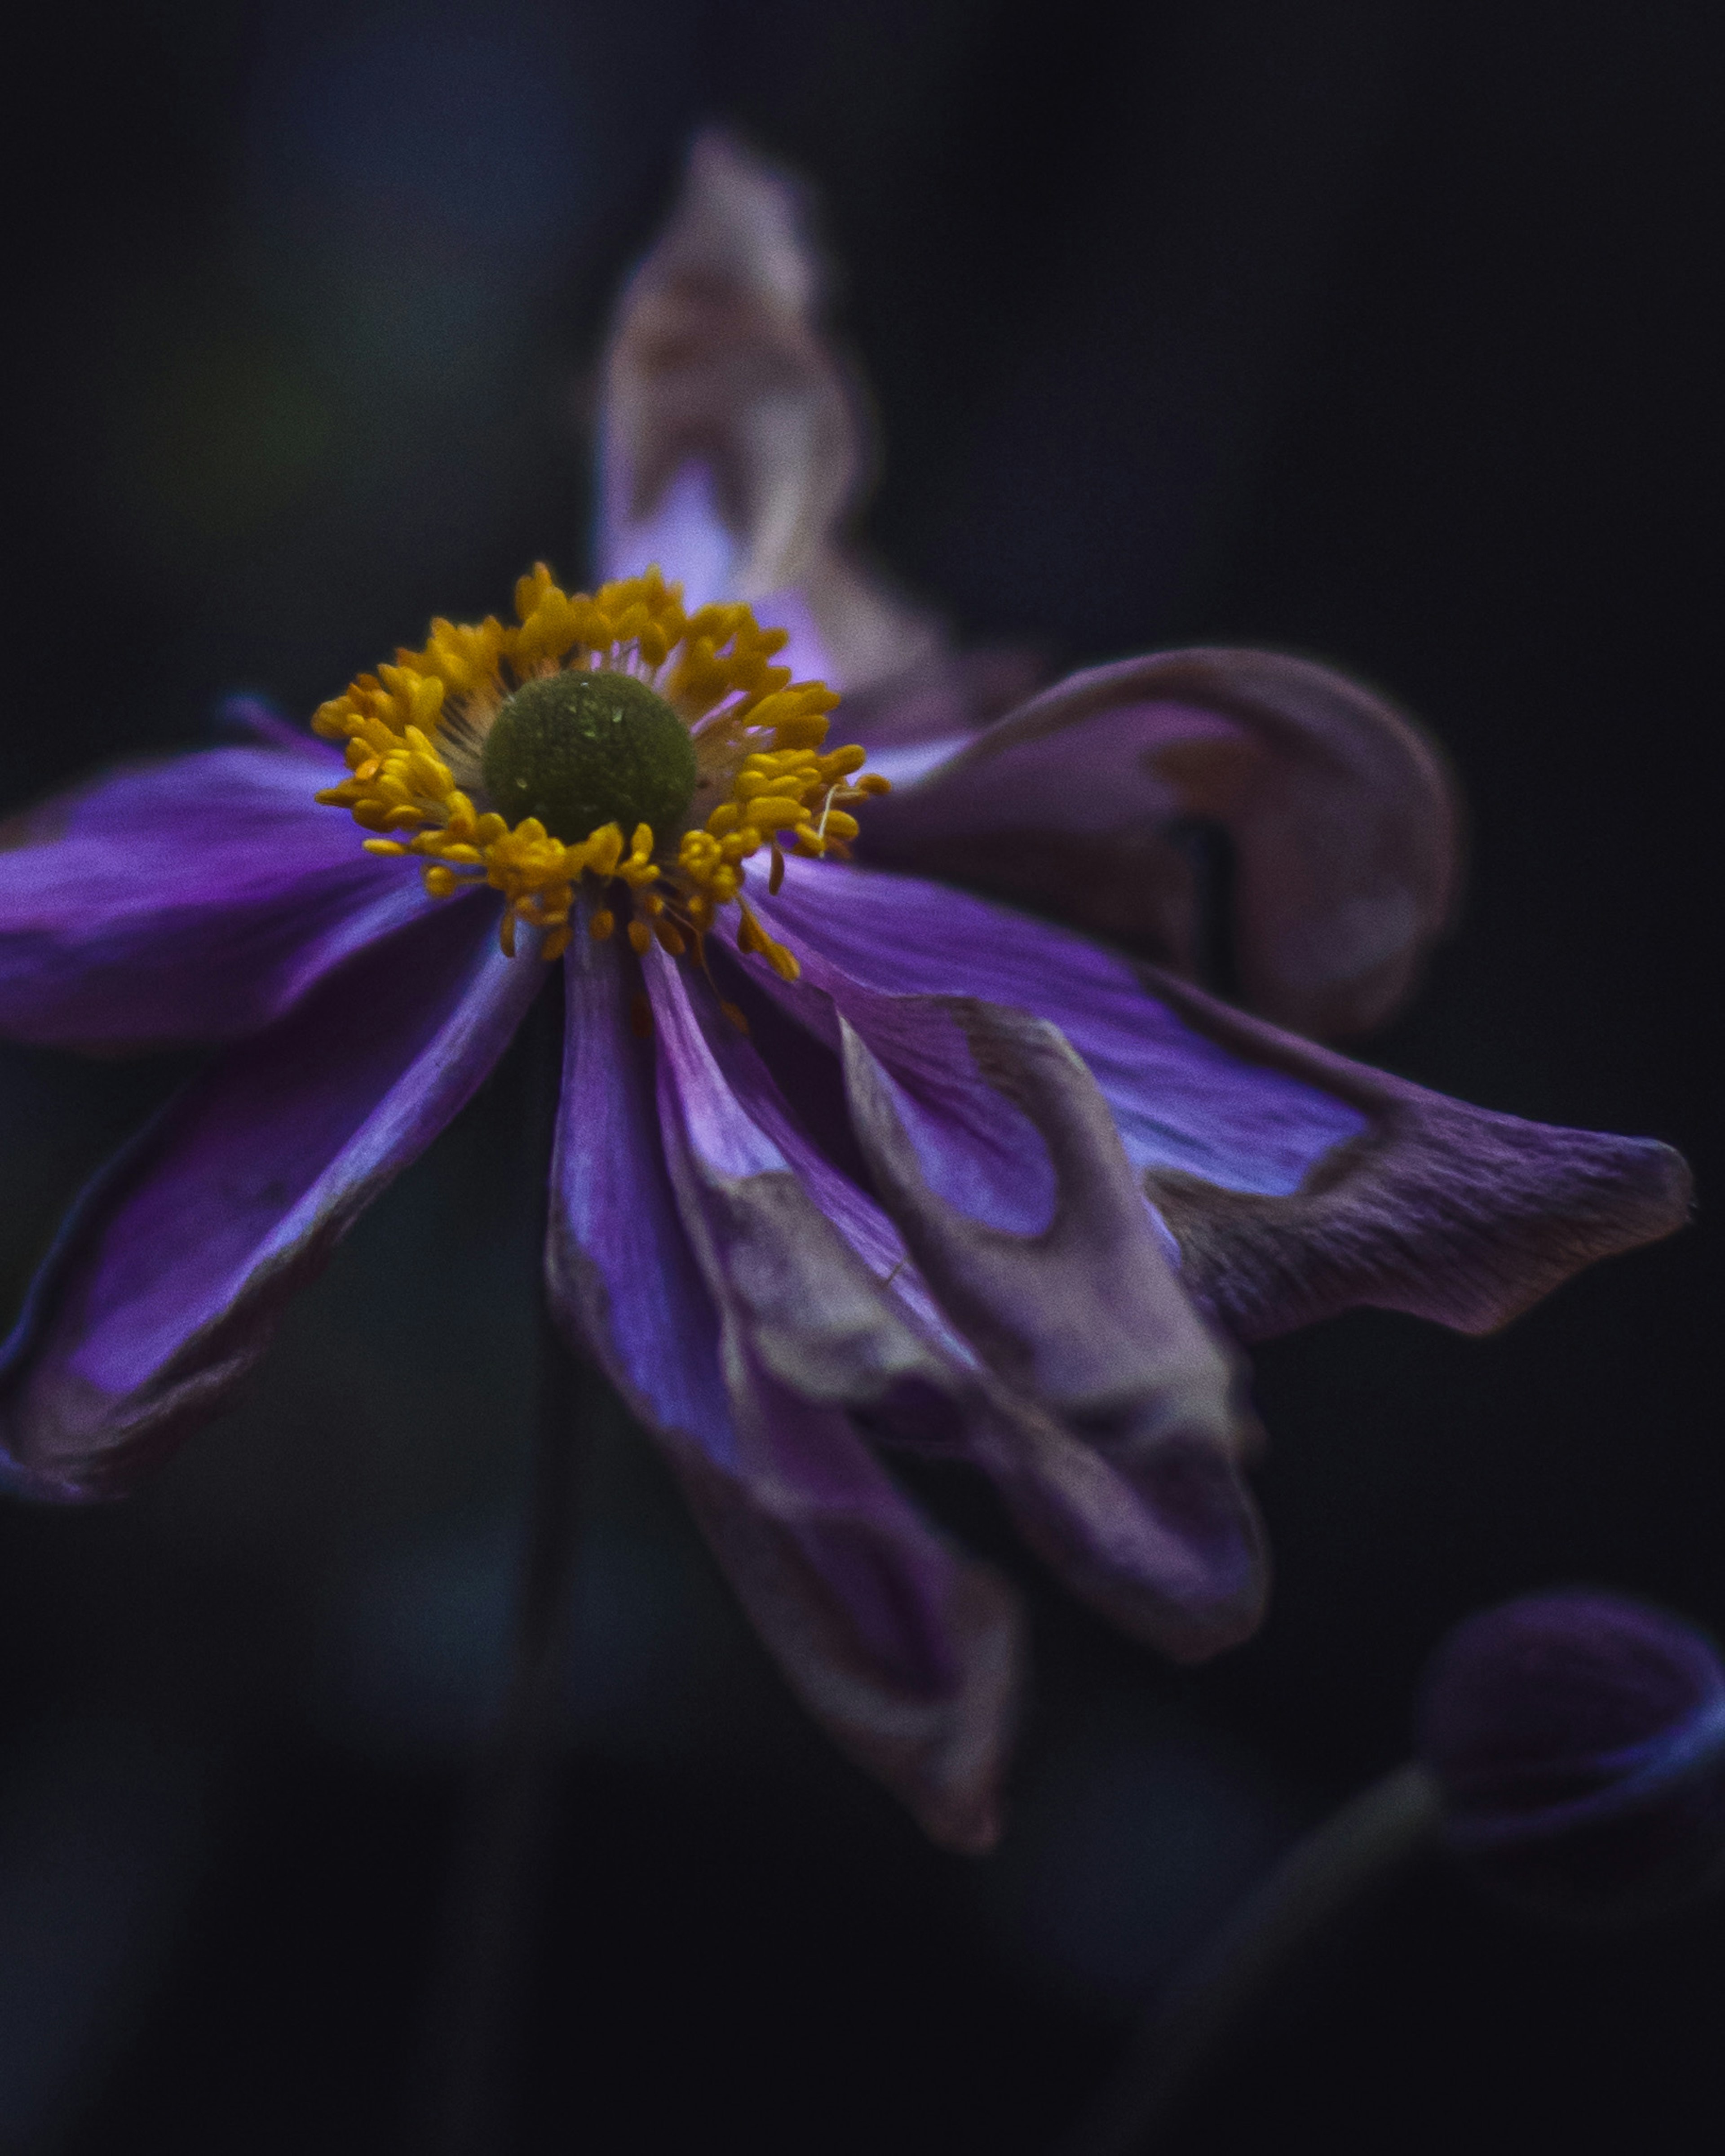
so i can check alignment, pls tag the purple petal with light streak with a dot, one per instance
(1298, 1182)
(191, 901)
(908, 1652)
(621, 1279)
(1181, 1102)
(170, 1278)
(681, 533)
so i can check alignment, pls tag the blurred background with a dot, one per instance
(1373, 330)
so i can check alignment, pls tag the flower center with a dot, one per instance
(582, 750)
(607, 754)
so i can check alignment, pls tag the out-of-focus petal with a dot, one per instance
(1298, 1182)
(920, 719)
(906, 1651)
(170, 1277)
(732, 441)
(191, 901)
(1344, 825)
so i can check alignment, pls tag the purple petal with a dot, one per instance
(1180, 1101)
(192, 900)
(924, 715)
(730, 431)
(682, 529)
(908, 1652)
(1083, 1316)
(619, 1271)
(1120, 1466)
(169, 1281)
(1443, 1210)
(1298, 1182)
(1344, 821)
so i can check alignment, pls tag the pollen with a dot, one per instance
(518, 755)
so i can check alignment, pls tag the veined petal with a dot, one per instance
(1084, 1316)
(1442, 1209)
(1298, 1182)
(195, 899)
(908, 1652)
(732, 444)
(1038, 1332)
(170, 1277)
(1181, 1102)
(1343, 818)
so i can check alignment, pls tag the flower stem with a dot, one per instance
(1189, 2029)
(469, 2070)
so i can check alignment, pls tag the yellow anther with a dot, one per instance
(640, 938)
(772, 811)
(603, 925)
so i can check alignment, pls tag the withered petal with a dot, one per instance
(908, 1652)
(1439, 1208)
(731, 428)
(1343, 821)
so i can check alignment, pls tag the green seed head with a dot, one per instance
(580, 750)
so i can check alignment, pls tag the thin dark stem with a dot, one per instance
(470, 2068)
(1188, 2031)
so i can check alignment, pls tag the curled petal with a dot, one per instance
(1343, 821)
(1085, 1318)
(920, 718)
(732, 444)
(170, 1278)
(1139, 1507)
(195, 899)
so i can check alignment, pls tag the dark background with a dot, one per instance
(1375, 331)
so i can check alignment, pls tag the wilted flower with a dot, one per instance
(1578, 1740)
(845, 1157)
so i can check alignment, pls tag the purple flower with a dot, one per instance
(1579, 1742)
(847, 1158)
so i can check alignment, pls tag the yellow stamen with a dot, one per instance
(415, 730)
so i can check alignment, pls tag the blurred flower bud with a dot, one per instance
(1578, 1740)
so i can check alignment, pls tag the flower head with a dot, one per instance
(846, 1160)
(1579, 1742)
(521, 755)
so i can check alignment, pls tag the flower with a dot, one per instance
(1578, 1739)
(847, 1158)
